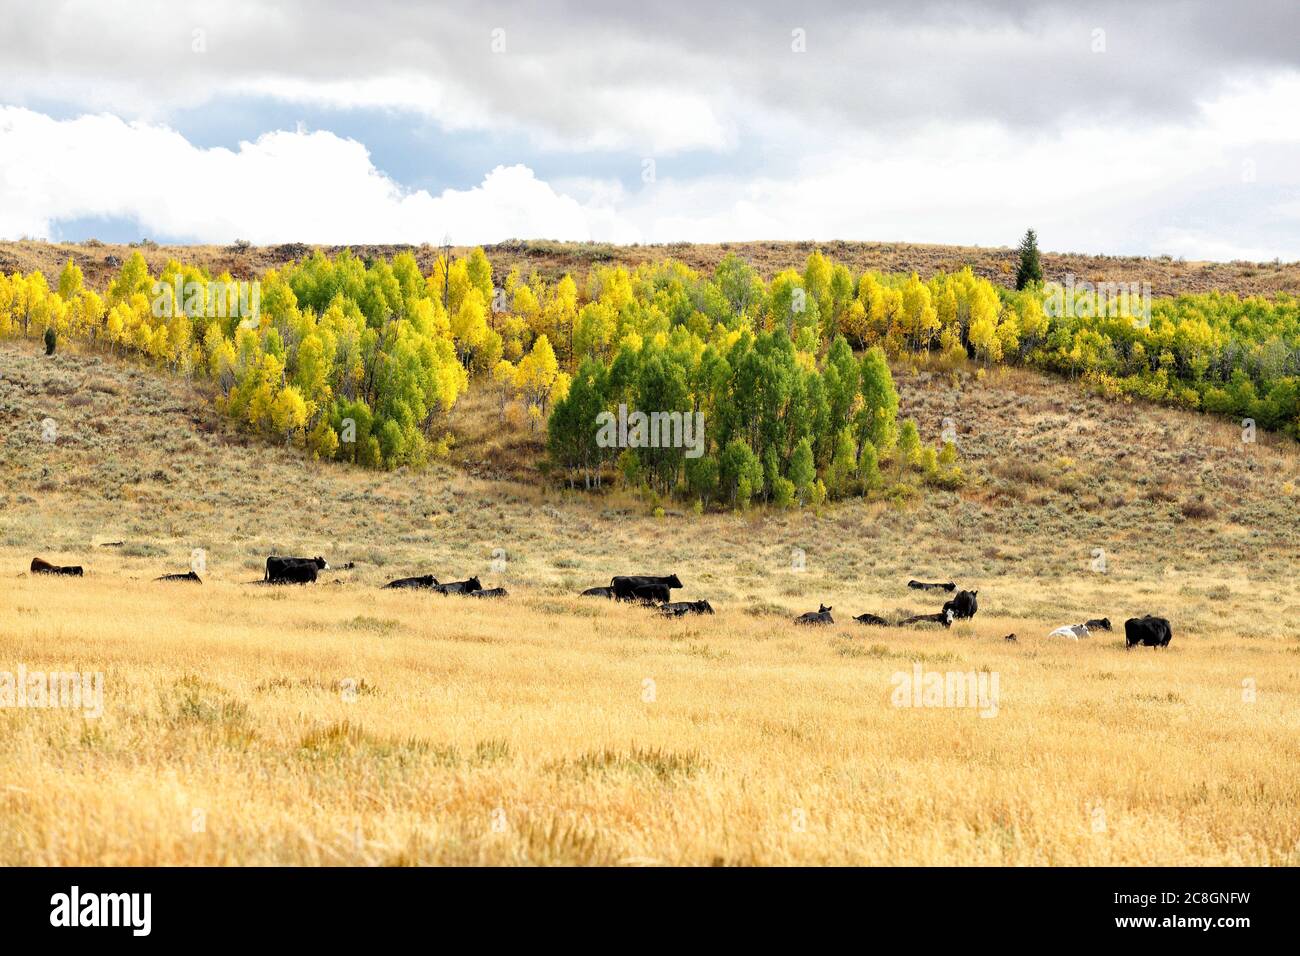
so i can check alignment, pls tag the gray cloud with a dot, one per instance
(613, 75)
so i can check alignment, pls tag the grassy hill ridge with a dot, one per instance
(1167, 276)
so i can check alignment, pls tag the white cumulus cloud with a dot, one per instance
(285, 186)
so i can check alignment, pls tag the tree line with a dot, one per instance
(362, 361)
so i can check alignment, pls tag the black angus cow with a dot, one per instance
(490, 593)
(820, 616)
(607, 593)
(943, 617)
(1148, 631)
(681, 608)
(925, 586)
(187, 576)
(281, 570)
(459, 587)
(647, 594)
(41, 566)
(419, 581)
(1098, 624)
(872, 619)
(963, 605)
(625, 586)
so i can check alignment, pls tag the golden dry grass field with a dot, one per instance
(341, 724)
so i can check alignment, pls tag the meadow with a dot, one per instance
(340, 724)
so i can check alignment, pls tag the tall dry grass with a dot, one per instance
(340, 724)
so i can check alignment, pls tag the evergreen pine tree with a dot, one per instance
(1031, 268)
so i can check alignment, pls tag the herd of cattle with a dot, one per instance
(656, 591)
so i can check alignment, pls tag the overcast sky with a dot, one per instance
(1173, 128)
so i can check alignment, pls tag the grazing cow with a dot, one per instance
(1098, 624)
(41, 566)
(820, 616)
(624, 586)
(490, 593)
(419, 581)
(680, 608)
(1009, 637)
(963, 605)
(926, 586)
(1148, 631)
(871, 619)
(459, 587)
(943, 617)
(647, 594)
(607, 593)
(1072, 631)
(187, 576)
(280, 570)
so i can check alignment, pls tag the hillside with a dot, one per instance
(341, 724)
(1055, 473)
(1166, 276)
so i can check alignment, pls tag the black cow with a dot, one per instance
(281, 570)
(41, 566)
(647, 594)
(872, 619)
(963, 605)
(625, 586)
(490, 593)
(820, 616)
(607, 593)
(681, 608)
(459, 587)
(943, 617)
(1098, 624)
(419, 581)
(1148, 631)
(187, 576)
(925, 586)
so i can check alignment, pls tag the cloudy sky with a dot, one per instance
(1169, 129)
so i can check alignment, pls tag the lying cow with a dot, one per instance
(681, 608)
(1071, 631)
(926, 586)
(459, 587)
(419, 581)
(963, 605)
(943, 617)
(872, 619)
(1098, 624)
(187, 576)
(607, 593)
(624, 587)
(820, 616)
(41, 566)
(1148, 631)
(281, 570)
(490, 593)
